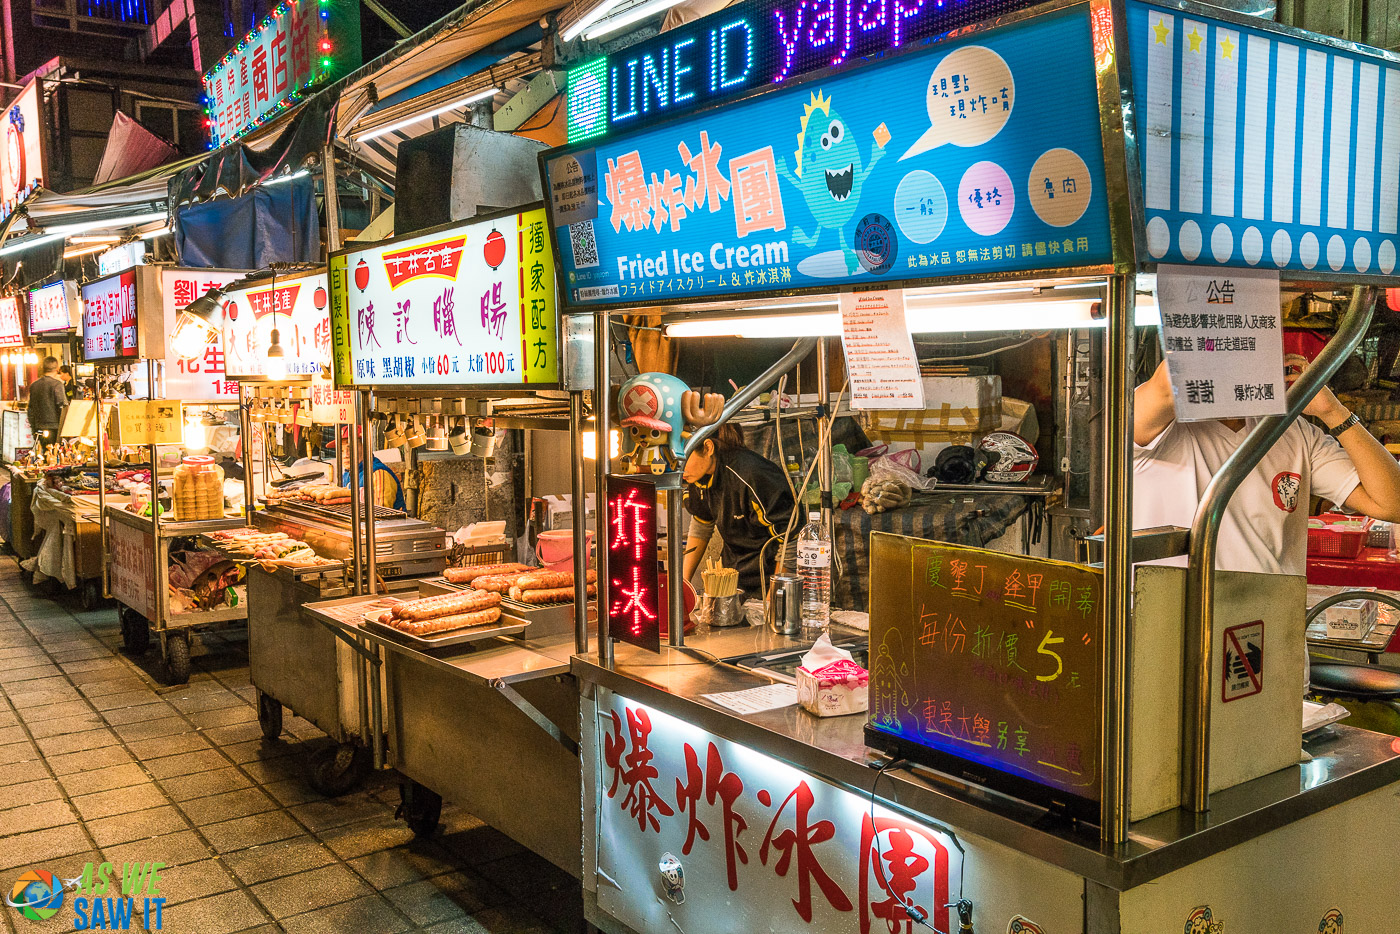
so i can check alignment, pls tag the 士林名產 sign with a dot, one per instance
(977, 156)
(470, 305)
(1264, 149)
(752, 44)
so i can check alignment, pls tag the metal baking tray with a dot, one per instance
(448, 639)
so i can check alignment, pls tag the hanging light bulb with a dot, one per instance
(196, 438)
(276, 358)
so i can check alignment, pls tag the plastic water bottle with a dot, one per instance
(814, 567)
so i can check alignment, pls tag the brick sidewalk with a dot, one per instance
(100, 762)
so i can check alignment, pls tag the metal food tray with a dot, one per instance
(446, 639)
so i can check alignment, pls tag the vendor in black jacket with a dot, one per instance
(746, 497)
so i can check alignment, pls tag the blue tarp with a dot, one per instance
(272, 224)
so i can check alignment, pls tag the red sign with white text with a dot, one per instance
(633, 591)
(297, 309)
(11, 334)
(200, 378)
(440, 258)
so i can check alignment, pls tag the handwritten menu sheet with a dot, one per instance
(879, 352)
(990, 658)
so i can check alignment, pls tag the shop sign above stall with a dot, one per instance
(977, 156)
(753, 44)
(299, 45)
(109, 318)
(299, 308)
(11, 332)
(1223, 342)
(466, 306)
(633, 591)
(51, 307)
(150, 421)
(22, 155)
(1261, 148)
(201, 378)
(988, 665)
(744, 842)
(124, 256)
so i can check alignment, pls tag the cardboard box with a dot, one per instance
(1015, 415)
(1353, 619)
(834, 690)
(951, 403)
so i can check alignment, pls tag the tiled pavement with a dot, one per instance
(100, 762)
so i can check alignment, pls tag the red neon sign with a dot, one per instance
(633, 585)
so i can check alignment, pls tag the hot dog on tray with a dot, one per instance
(467, 575)
(550, 580)
(445, 623)
(497, 583)
(429, 608)
(553, 595)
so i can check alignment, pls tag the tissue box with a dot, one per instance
(833, 690)
(1353, 619)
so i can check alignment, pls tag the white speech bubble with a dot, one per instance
(970, 97)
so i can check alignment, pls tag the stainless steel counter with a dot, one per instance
(1345, 763)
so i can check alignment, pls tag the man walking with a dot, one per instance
(48, 397)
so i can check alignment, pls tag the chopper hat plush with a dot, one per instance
(653, 401)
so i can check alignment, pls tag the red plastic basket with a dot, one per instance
(1333, 541)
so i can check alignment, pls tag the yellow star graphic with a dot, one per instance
(1162, 31)
(1227, 48)
(1194, 37)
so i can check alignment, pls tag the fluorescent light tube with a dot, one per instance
(588, 19)
(409, 121)
(629, 16)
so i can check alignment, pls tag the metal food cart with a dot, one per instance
(1183, 799)
(468, 714)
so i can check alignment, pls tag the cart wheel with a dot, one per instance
(337, 770)
(177, 659)
(136, 635)
(269, 715)
(90, 595)
(420, 807)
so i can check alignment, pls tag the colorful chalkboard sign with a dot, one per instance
(986, 665)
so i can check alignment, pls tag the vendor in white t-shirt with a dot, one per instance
(1266, 525)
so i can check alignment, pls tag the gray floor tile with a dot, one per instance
(123, 699)
(115, 776)
(75, 708)
(333, 812)
(28, 771)
(115, 686)
(89, 759)
(223, 716)
(309, 890)
(139, 825)
(196, 880)
(163, 746)
(281, 858)
(75, 742)
(43, 846)
(226, 806)
(35, 792)
(255, 830)
(369, 915)
(203, 784)
(119, 801)
(79, 723)
(218, 914)
(402, 865)
(21, 751)
(152, 729)
(41, 816)
(155, 710)
(185, 763)
(362, 837)
(173, 849)
(444, 898)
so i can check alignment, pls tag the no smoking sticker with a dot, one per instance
(1243, 659)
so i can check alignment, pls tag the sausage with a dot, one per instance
(423, 602)
(465, 602)
(500, 583)
(445, 623)
(551, 580)
(467, 575)
(553, 595)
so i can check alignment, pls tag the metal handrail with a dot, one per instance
(800, 349)
(1205, 532)
(1376, 596)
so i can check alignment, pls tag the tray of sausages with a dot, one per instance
(537, 588)
(444, 620)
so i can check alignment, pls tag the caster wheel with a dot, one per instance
(136, 634)
(338, 770)
(420, 808)
(90, 595)
(177, 659)
(269, 716)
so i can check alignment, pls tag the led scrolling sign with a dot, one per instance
(633, 585)
(747, 46)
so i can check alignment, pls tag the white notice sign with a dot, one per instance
(1222, 338)
(880, 357)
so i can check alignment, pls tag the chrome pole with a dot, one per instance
(101, 482)
(245, 424)
(824, 418)
(1205, 532)
(352, 461)
(579, 494)
(602, 415)
(1120, 305)
(367, 460)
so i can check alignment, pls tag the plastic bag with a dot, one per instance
(841, 476)
(903, 466)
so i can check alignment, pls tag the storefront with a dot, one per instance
(1024, 764)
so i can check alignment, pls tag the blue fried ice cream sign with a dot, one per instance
(976, 156)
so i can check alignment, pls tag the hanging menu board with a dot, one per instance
(470, 305)
(11, 333)
(987, 665)
(51, 307)
(297, 307)
(109, 318)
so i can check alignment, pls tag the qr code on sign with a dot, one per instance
(584, 245)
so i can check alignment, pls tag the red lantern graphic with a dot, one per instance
(362, 275)
(231, 310)
(319, 298)
(494, 252)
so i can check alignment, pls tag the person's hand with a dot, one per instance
(1326, 407)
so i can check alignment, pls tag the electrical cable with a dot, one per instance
(915, 913)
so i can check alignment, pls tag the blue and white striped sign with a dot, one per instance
(1260, 149)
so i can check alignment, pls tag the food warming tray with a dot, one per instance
(505, 627)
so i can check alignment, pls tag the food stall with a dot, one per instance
(164, 579)
(299, 544)
(460, 323)
(1023, 765)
